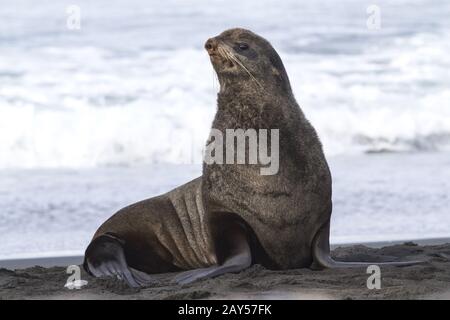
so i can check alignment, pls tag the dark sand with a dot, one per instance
(430, 280)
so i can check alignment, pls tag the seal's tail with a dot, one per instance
(322, 258)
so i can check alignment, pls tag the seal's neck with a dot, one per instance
(240, 101)
(252, 92)
(247, 105)
(258, 91)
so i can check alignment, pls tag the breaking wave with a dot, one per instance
(96, 99)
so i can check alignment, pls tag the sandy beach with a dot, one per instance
(430, 280)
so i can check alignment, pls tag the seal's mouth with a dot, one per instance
(222, 60)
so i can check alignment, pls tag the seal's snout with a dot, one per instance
(211, 46)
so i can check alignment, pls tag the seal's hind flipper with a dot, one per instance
(142, 278)
(105, 257)
(240, 258)
(235, 263)
(322, 258)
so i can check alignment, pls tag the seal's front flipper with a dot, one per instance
(105, 257)
(239, 258)
(322, 258)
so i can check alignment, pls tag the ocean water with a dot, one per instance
(96, 118)
(47, 212)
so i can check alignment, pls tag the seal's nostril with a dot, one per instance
(210, 45)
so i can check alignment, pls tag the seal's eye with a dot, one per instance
(243, 46)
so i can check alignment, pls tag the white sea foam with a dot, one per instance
(134, 87)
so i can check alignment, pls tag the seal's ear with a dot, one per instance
(275, 71)
(279, 71)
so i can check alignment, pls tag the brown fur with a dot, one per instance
(287, 209)
(190, 226)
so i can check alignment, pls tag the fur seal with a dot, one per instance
(232, 216)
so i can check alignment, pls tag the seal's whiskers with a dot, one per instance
(225, 52)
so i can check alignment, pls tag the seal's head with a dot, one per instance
(240, 55)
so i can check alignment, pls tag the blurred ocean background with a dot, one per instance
(94, 119)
